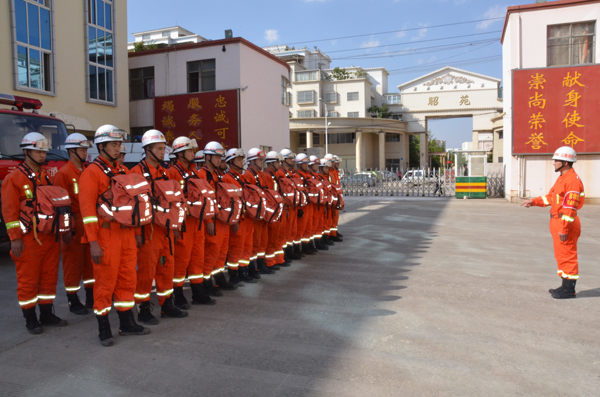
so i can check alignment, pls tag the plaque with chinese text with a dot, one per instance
(204, 116)
(554, 107)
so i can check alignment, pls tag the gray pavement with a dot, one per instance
(425, 297)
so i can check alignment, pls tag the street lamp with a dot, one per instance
(326, 125)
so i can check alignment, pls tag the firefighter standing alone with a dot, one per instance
(565, 198)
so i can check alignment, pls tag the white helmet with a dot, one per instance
(36, 141)
(329, 156)
(302, 158)
(184, 143)
(565, 153)
(272, 157)
(123, 148)
(313, 160)
(214, 148)
(325, 163)
(233, 153)
(77, 141)
(153, 136)
(336, 159)
(255, 153)
(109, 133)
(168, 154)
(199, 157)
(287, 154)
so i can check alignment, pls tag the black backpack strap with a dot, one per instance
(237, 178)
(106, 169)
(256, 177)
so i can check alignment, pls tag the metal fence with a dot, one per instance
(424, 182)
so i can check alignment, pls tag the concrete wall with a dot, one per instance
(70, 67)
(525, 46)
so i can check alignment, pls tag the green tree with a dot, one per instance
(414, 150)
(382, 112)
(340, 73)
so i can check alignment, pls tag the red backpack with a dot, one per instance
(316, 192)
(48, 211)
(168, 201)
(330, 192)
(287, 189)
(340, 204)
(255, 201)
(127, 200)
(301, 192)
(229, 203)
(274, 206)
(200, 199)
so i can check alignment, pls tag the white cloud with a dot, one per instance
(370, 44)
(402, 33)
(421, 33)
(271, 35)
(496, 11)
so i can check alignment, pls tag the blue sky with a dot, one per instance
(416, 44)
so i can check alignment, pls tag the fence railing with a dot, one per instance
(423, 182)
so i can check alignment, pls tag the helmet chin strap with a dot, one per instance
(112, 159)
(564, 164)
(76, 155)
(31, 158)
(153, 155)
(232, 164)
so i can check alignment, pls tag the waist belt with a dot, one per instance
(106, 225)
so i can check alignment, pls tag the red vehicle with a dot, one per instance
(16, 120)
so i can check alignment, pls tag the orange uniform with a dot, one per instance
(215, 247)
(274, 252)
(334, 178)
(287, 239)
(305, 224)
(77, 261)
(155, 246)
(189, 250)
(565, 198)
(240, 243)
(37, 267)
(261, 230)
(115, 274)
(322, 214)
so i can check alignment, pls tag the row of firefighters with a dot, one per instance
(205, 214)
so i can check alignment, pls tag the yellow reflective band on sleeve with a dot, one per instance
(10, 225)
(582, 194)
(567, 218)
(545, 200)
(75, 186)
(90, 219)
(557, 199)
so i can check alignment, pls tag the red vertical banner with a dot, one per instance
(204, 116)
(554, 107)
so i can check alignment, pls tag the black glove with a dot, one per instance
(300, 213)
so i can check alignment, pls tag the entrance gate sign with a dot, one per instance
(204, 116)
(554, 107)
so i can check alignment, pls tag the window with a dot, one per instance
(146, 37)
(331, 97)
(311, 75)
(266, 149)
(306, 113)
(166, 34)
(316, 139)
(289, 97)
(34, 55)
(201, 76)
(392, 163)
(348, 137)
(392, 137)
(101, 65)
(352, 96)
(284, 94)
(302, 139)
(571, 44)
(392, 99)
(306, 97)
(353, 114)
(333, 114)
(141, 83)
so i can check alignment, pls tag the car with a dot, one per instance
(359, 179)
(417, 177)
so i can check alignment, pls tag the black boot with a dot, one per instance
(274, 267)
(210, 288)
(557, 290)
(320, 244)
(298, 249)
(31, 322)
(75, 306)
(327, 240)
(222, 282)
(234, 276)
(284, 264)
(167, 309)
(294, 252)
(340, 235)
(89, 298)
(104, 332)
(244, 276)
(200, 297)
(128, 326)
(307, 248)
(253, 270)
(145, 313)
(568, 290)
(337, 238)
(48, 318)
(180, 301)
(262, 267)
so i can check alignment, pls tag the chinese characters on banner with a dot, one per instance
(204, 116)
(554, 107)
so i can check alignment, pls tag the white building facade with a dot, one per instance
(213, 66)
(544, 36)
